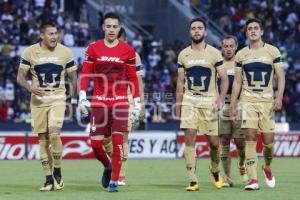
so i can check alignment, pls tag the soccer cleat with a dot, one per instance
(121, 181)
(113, 186)
(227, 182)
(194, 186)
(269, 178)
(47, 187)
(243, 175)
(106, 176)
(58, 182)
(216, 179)
(252, 185)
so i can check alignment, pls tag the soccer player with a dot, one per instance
(111, 63)
(47, 61)
(254, 73)
(227, 130)
(197, 99)
(131, 123)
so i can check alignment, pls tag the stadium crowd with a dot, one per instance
(19, 26)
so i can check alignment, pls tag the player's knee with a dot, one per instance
(95, 144)
(55, 141)
(240, 144)
(269, 146)
(214, 145)
(225, 140)
(54, 137)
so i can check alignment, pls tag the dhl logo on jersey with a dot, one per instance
(110, 59)
(197, 62)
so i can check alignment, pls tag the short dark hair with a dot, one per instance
(198, 20)
(249, 21)
(112, 15)
(231, 37)
(46, 24)
(122, 33)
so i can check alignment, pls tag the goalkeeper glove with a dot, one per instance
(84, 104)
(136, 111)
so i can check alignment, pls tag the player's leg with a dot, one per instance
(240, 146)
(55, 120)
(119, 127)
(239, 140)
(214, 153)
(210, 127)
(191, 158)
(189, 123)
(100, 125)
(226, 158)
(225, 138)
(251, 158)
(108, 145)
(39, 126)
(250, 125)
(267, 126)
(122, 179)
(45, 160)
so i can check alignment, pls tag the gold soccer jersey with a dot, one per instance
(200, 69)
(257, 67)
(256, 97)
(48, 70)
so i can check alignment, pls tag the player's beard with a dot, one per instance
(197, 41)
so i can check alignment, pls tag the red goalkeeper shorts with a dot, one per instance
(106, 120)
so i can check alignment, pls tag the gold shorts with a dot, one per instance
(205, 120)
(45, 117)
(226, 127)
(258, 116)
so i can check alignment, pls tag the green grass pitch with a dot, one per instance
(147, 180)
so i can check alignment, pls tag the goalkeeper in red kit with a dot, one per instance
(111, 64)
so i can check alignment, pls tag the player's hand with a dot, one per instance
(233, 115)
(84, 104)
(177, 111)
(219, 103)
(135, 115)
(277, 104)
(37, 90)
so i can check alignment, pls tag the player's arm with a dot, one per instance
(236, 88)
(223, 87)
(179, 91)
(71, 68)
(22, 74)
(73, 91)
(141, 90)
(139, 72)
(133, 85)
(280, 82)
(87, 69)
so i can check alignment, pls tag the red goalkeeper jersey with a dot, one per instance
(112, 69)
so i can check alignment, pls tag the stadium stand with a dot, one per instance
(18, 26)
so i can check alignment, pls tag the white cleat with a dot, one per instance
(121, 181)
(47, 187)
(252, 185)
(269, 178)
(59, 183)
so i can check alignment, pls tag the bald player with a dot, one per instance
(227, 129)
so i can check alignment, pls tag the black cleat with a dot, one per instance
(106, 176)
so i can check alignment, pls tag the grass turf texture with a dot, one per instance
(147, 179)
